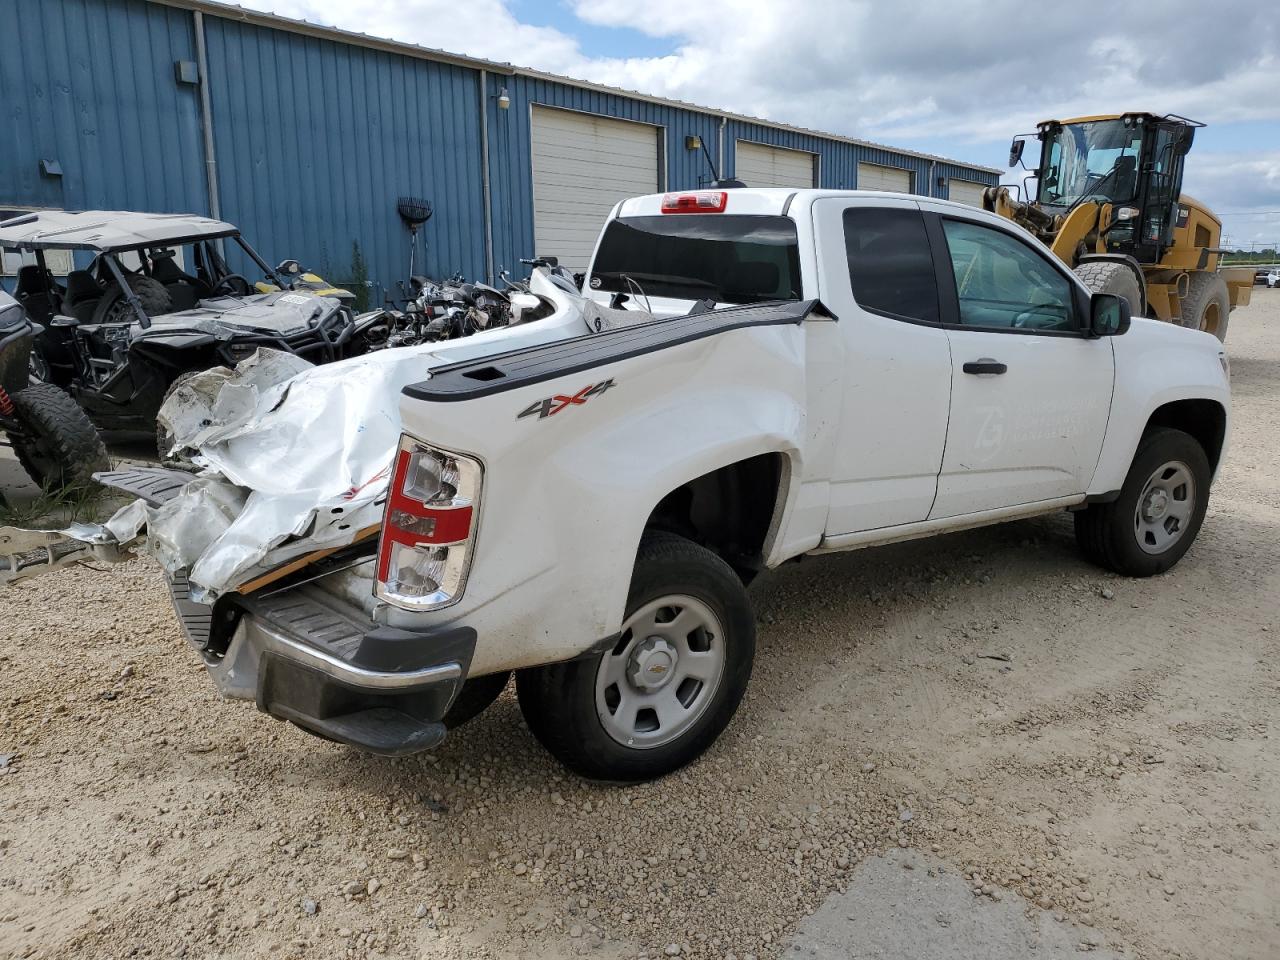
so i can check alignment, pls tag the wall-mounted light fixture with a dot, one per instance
(693, 143)
(504, 101)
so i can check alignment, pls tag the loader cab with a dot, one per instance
(1133, 162)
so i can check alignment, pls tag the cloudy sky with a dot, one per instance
(956, 79)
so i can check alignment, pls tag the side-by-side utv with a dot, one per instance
(152, 298)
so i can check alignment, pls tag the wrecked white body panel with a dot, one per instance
(292, 458)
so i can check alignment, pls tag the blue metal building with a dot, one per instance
(305, 136)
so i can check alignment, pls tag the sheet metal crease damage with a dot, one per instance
(289, 459)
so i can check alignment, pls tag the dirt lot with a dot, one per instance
(1101, 746)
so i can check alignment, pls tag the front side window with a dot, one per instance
(890, 266)
(1002, 283)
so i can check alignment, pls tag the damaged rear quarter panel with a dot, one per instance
(566, 496)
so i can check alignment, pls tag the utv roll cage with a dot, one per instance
(107, 234)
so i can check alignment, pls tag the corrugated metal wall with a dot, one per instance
(315, 138)
(511, 169)
(90, 84)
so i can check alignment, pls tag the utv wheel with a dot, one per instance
(667, 688)
(1161, 506)
(476, 696)
(1110, 277)
(64, 449)
(151, 294)
(1207, 305)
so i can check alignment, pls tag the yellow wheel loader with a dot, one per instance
(1109, 202)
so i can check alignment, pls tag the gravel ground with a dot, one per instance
(1100, 746)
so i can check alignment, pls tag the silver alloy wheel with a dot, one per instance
(1165, 507)
(663, 674)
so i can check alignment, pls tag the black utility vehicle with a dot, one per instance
(152, 298)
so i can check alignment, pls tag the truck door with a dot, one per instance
(1031, 391)
(878, 276)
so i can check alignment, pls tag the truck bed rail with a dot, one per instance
(520, 368)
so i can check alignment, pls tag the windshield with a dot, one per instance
(728, 259)
(1097, 159)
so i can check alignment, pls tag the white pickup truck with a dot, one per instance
(830, 370)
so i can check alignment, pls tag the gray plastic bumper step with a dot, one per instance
(155, 485)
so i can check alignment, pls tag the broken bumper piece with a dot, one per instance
(304, 656)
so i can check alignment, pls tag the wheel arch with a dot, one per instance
(1203, 419)
(734, 510)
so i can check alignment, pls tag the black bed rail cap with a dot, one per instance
(501, 372)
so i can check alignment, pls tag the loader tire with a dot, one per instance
(114, 308)
(1110, 277)
(63, 450)
(1207, 304)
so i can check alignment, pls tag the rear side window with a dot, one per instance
(890, 265)
(725, 258)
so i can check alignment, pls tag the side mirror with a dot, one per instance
(1015, 151)
(1108, 315)
(289, 268)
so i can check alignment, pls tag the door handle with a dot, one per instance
(985, 365)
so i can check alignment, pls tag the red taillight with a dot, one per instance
(700, 201)
(428, 527)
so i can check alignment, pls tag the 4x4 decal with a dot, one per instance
(552, 405)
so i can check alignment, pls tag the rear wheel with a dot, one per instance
(669, 685)
(63, 449)
(1110, 277)
(1154, 521)
(1207, 305)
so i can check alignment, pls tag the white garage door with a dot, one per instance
(872, 176)
(760, 166)
(965, 191)
(582, 166)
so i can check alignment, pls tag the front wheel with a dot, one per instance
(1161, 506)
(669, 685)
(61, 448)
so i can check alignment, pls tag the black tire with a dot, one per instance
(1108, 533)
(65, 449)
(114, 308)
(476, 696)
(559, 700)
(1109, 277)
(1207, 305)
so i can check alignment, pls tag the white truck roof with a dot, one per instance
(762, 201)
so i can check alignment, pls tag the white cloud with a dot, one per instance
(1246, 188)
(963, 74)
